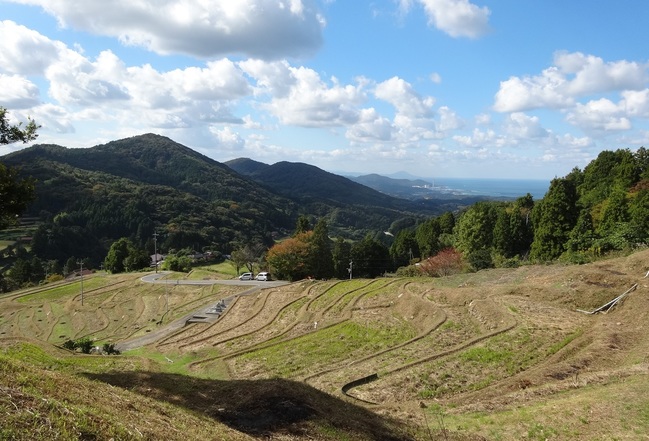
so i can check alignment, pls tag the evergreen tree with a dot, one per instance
(616, 211)
(404, 248)
(554, 217)
(303, 225)
(502, 237)
(474, 229)
(341, 256)
(70, 266)
(642, 161)
(639, 216)
(15, 195)
(37, 270)
(520, 227)
(427, 237)
(320, 251)
(582, 237)
(370, 258)
(21, 271)
(447, 223)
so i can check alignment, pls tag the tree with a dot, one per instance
(248, 256)
(178, 263)
(321, 259)
(341, 255)
(70, 266)
(554, 217)
(502, 235)
(427, 237)
(15, 193)
(21, 271)
(370, 258)
(582, 236)
(474, 234)
(616, 211)
(521, 228)
(444, 263)
(404, 248)
(117, 253)
(303, 225)
(124, 256)
(639, 211)
(10, 134)
(289, 258)
(447, 222)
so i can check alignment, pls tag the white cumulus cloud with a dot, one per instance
(457, 18)
(573, 76)
(17, 92)
(205, 28)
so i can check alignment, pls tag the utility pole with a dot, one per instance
(155, 250)
(80, 262)
(351, 264)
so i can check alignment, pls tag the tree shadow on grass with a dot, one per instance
(263, 408)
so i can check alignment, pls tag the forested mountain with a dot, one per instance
(343, 202)
(134, 187)
(306, 183)
(88, 198)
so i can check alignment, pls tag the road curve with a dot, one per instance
(151, 337)
(155, 278)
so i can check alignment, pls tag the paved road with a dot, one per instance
(155, 278)
(206, 314)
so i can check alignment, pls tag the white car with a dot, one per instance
(263, 276)
(245, 276)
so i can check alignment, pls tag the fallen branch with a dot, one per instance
(612, 303)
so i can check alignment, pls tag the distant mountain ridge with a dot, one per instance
(402, 188)
(148, 184)
(306, 182)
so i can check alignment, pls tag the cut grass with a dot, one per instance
(347, 340)
(617, 410)
(67, 290)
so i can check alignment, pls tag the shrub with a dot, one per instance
(109, 349)
(70, 345)
(409, 271)
(84, 345)
(444, 263)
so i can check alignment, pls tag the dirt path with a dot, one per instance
(203, 312)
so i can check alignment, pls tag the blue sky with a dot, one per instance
(434, 88)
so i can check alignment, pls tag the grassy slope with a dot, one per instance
(498, 355)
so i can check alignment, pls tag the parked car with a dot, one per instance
(246, 276)
(263, 276)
